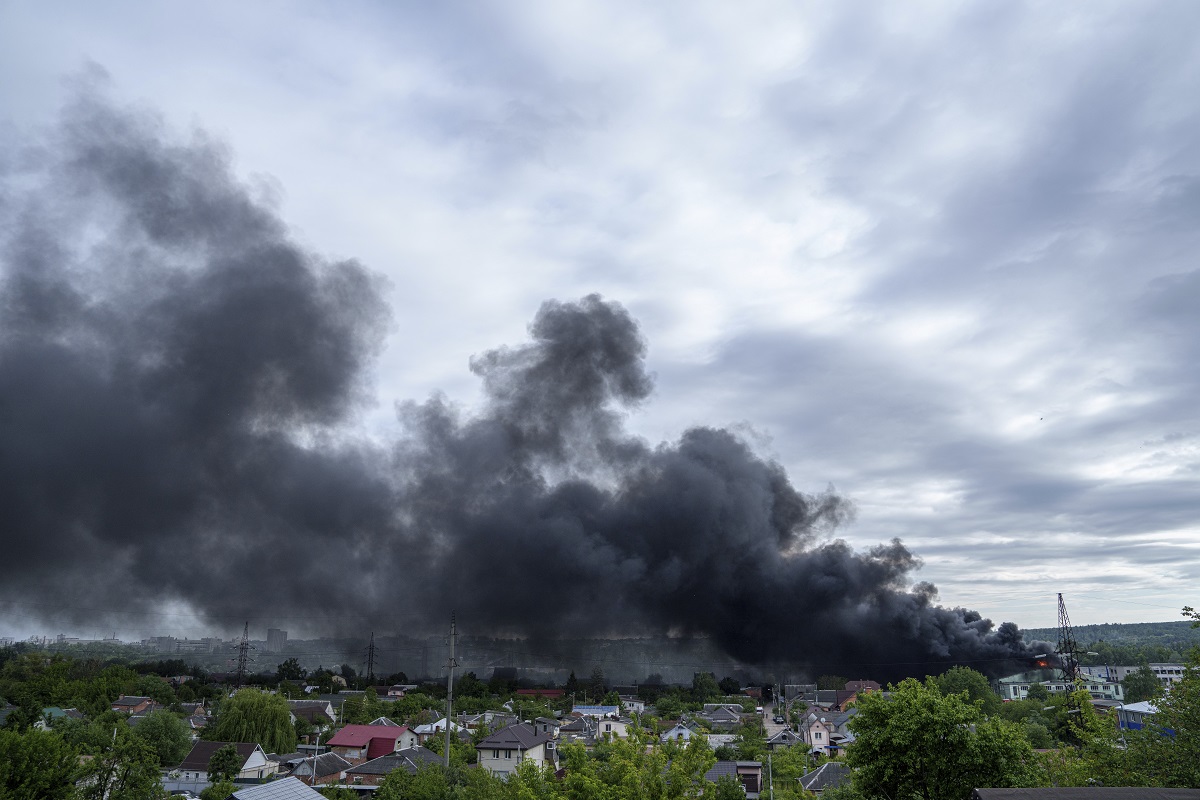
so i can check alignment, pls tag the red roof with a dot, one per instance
(378, 739)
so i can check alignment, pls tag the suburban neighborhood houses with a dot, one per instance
(301, 731)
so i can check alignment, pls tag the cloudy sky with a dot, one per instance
(940, 256)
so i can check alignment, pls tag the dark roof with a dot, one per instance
(311, 713)
(826, 776)
(327, 764)
(202, 753)
(863, 685)
(522, 736)
(1088, 793)
(131, 700)
(410, 759)
(729, 768)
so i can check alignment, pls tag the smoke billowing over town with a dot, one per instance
(178, 382)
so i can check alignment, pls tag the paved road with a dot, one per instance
(771, 726)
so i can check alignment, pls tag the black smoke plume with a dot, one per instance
(178, 385)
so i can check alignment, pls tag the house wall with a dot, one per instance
(613, 728)
(504, 761)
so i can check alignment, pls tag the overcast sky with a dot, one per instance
(939, 255)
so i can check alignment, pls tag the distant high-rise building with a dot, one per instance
(276, 639)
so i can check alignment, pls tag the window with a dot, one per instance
(508, 753)
(817, 735)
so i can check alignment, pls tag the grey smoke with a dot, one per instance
(177, 379)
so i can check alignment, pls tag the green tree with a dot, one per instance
(37, 765)
(167, 736)
(125, 770)
(730, 685)
(1091, 754)
(219, 791)
(726, 787)
(917, 744)
(1038, 692)
(225, 764)
(597, 686)
(257, 717)
(966, 680)
(836, 682)
(290, 670)
(750, 743)
(572, 686)
(1141, 684)
(155, 688)
(669, 706)
(705, 687)
(1169, 746)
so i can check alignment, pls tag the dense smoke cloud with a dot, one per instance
(177, 383)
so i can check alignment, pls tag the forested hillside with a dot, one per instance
(1129, 643)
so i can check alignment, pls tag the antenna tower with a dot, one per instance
(451, 663)
(244, 648)
(371, 660)
(1068, 648)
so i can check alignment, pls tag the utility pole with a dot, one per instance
(371, 661)
(244, 648)
(1068, 648)
(450, 665)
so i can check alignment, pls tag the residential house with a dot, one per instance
(785, 738)
(829, 775)
(388, 721)
(286, 789)
(863, 686)
(597, 711)
(327, 766)
(500, 752)
(492, 720)
(358, 743)
(613, 728)
(431, 729)
(843, 699)
(547, 726)
(192, 772)
(817, 733)
(748, 773)
(717, 740)
(680, 733)
(318, 713)
(842, 735)
(723, 718)
(578, 729)
(633, 705)
(370, 773)
(132, 704)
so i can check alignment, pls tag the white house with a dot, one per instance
(680, 733)
(633, 705)
(192, 772)
(501, 752)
